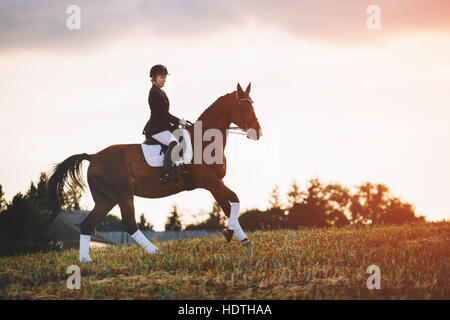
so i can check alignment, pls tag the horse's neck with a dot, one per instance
(218, 119)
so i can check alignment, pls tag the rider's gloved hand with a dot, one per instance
(183, 121)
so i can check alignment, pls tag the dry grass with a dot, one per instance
(302, 264)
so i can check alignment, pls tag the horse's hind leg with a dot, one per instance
(103, 204)
(130, 226)
(99, 212)
(87, 227)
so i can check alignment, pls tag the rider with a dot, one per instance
(162, 123)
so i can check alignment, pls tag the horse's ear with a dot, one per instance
(247, 91)
(240, 92)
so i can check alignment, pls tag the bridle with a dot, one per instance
(245, 125)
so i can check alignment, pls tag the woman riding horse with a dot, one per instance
(119, 172)
(162, 122)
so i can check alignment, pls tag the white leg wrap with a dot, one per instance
(84, 248)
(233, 222)
(139, 237)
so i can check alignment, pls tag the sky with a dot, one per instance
(335, 99)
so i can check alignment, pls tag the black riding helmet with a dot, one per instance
(158, 69)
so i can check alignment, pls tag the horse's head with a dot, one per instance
(244, 114)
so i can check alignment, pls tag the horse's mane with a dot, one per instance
(217, 103)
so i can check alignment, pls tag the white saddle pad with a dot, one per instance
(155, 159)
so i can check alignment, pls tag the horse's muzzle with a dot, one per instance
(254, 134)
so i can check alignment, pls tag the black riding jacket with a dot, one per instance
(160, 118)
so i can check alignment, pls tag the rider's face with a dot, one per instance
(160, 80)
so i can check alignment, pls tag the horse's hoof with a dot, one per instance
(228, 233)
(246, 242)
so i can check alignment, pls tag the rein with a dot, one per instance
(239, 100)
(232, 128)
(236, 132)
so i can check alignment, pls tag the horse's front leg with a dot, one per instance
(229, 202)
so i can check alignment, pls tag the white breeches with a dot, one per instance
(165, 137)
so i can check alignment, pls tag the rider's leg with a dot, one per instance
(167, 138)
(168, 161)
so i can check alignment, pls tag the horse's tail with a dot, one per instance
(61, 171)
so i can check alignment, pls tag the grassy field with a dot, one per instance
(302, 264)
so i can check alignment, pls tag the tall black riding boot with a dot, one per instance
(167, 163)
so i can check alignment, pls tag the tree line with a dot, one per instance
(321, 205)
(23, 220)
(23, 225)
(326, 205)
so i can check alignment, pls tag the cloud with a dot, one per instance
(26, 24)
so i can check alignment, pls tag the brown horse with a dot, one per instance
(120, 172)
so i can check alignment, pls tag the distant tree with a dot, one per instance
(144, 225)
(368, 203)
(42, 191)
(312, 210)
(275, 199)
(32, 192)
(275, 213)
(338, 204)
(255, 219)
(294, 194)
(39, 193)
(71, 198)
(2, 199)
(215, 221)
(273, 218)
(399, 212)
(111, 223)
(374, 204)
(173, 221)
(23, 227)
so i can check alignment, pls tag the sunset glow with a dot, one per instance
(343, 103)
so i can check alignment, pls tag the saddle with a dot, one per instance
(152, 141)
(182, 171)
